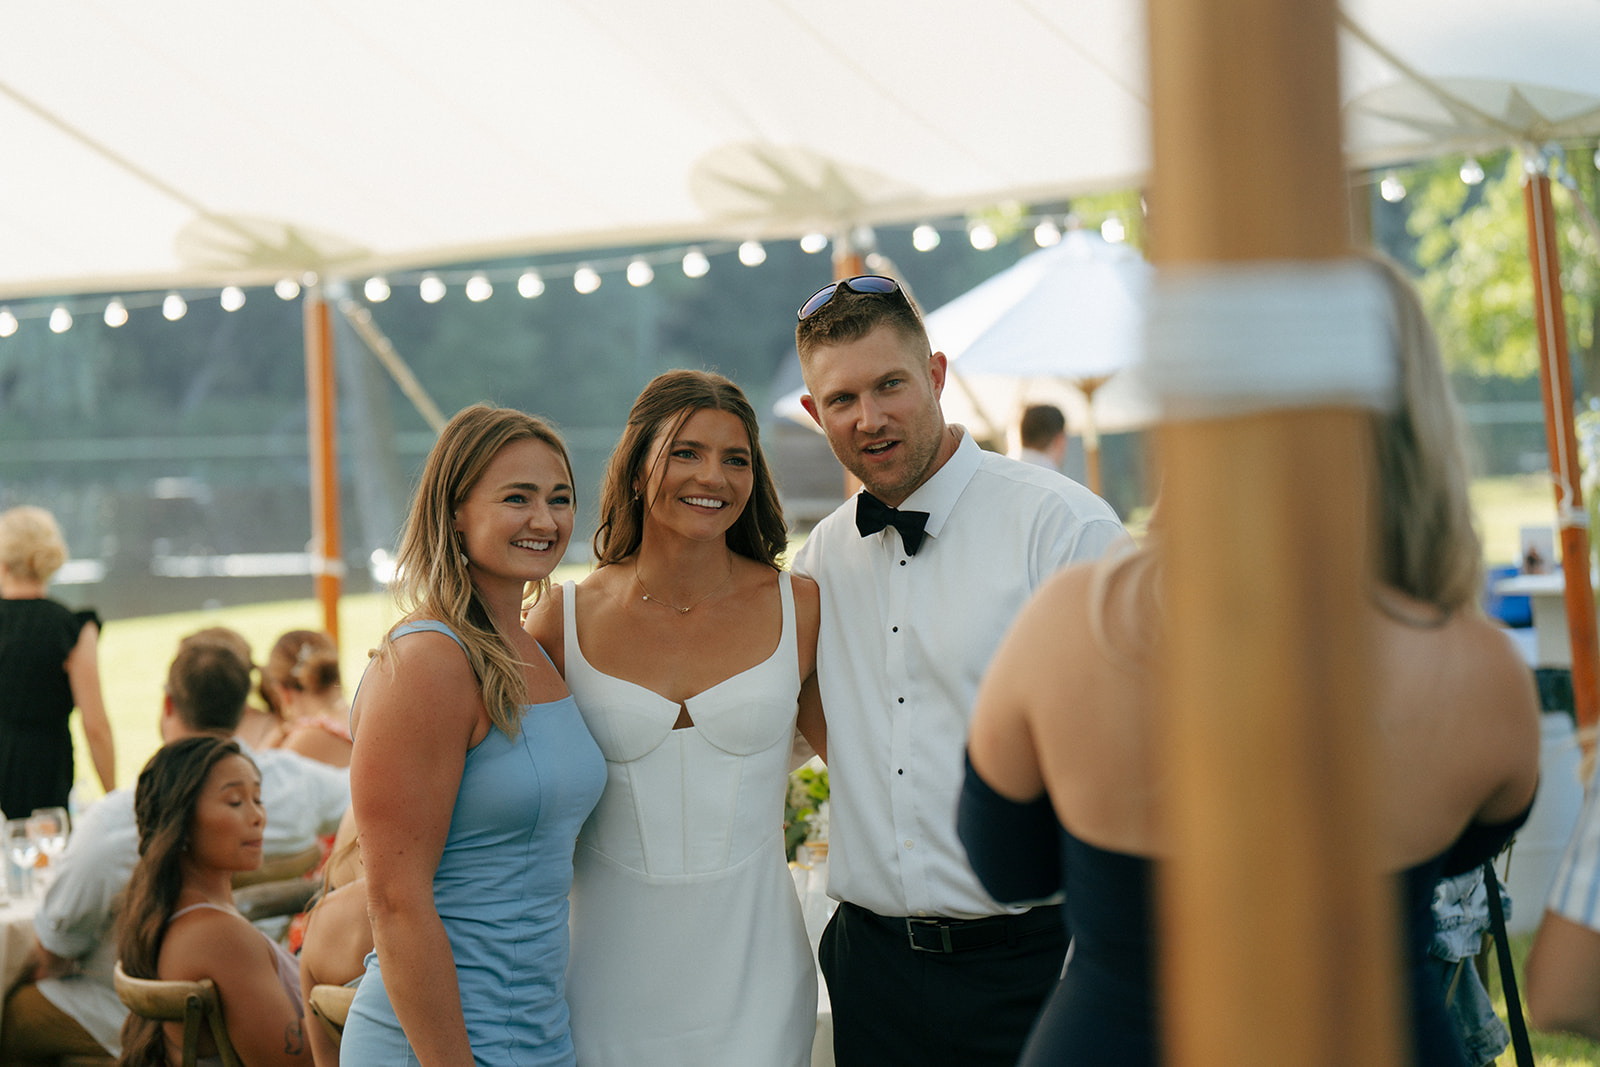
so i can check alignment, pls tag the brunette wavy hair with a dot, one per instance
(164, 804)
(432, 582)
(305, 660)
(759, 532)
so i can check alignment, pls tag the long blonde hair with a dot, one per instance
(432, 582)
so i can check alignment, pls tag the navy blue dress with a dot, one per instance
(1104, 1010)
(36, 769)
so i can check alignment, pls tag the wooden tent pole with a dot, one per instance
(1278, 928)
(1555, 377)
(327, 559)
(1090, 432)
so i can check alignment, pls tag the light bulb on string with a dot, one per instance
(8, 322)
(752, 254)
(479, 288)
(586, 279)
(232, 298)
(174, 307)
(982, 236)
(376, 289)
(1113, 230)
(287, 288)
(530, 284)
(60, 320)
(1391, 188)
(1472, 171)
(431, 288)
(925, 238)
(1597, 159)
(813, 243)
(1047, 233)
(695, 263)
(116, 313)
(640, 273)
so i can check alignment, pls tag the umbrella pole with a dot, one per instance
(1278, 927)
(1091, 432)
(1555, 377)
(327, 560)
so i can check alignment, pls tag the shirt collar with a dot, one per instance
(938, 495)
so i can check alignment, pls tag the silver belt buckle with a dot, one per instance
(936, 924)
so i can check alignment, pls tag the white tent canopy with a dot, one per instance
(178, 143)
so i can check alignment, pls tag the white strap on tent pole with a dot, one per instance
(1230, 340)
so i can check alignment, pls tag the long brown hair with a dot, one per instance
(164, 803)
(432, 582)
(670, 399)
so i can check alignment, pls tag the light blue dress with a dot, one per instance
(501, 890)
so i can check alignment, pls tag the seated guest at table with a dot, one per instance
(681, 870)
(338, 936)
(300, 684)
(201, 821)
(49, 664)
(68, 1006)
(1064, 789)
(1042, 436)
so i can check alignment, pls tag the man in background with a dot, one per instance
(1044, 436)
(67, 1005)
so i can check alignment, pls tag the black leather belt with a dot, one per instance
(963, 935)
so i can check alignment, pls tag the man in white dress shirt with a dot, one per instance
(923, 966)
(68, 1005)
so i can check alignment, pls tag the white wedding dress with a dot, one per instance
(688, 946)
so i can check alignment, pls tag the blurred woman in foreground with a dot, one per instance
(1062, 788)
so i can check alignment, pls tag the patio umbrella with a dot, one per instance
(1056, 327)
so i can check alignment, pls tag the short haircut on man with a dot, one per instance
(1040, 425)
(850, 316)
(208, 684)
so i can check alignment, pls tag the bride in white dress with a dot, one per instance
(686, 650)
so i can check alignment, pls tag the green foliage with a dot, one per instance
(808, 791)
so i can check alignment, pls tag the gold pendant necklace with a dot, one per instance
(669, 604)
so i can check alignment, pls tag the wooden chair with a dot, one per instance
(266, 900)
(331, 1005)
(280, 868)
(185, 1002)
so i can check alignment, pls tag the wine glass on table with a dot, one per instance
(48, 827)
(23, 851)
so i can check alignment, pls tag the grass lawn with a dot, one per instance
(1549, 1050)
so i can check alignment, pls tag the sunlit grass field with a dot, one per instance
(135, 653)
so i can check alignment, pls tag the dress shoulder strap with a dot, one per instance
(429, 625)
(194, 907)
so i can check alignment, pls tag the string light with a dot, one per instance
(431, 288)
(376, 290)
(1391, 188)
(586, 279)
(695, 263)
(925, 238)
(640, 273)
(1047, 233)
(116, 313)
(287, 288)
(8, 322)
(174, 307)
(232, 298)
(60, 320)
(479, 288)
(752, 254)
(813, 243)
(982, 236)
(1472, 171)
(530, 284)
(1113, 230)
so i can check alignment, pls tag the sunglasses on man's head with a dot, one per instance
(866, 283)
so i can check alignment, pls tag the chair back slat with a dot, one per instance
(173, 1001)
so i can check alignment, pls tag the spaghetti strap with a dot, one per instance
(203, 904)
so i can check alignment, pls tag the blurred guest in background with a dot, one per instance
(201, 821)
(49, 664)
(300, 685)
(1043, 436)
(1064, 788)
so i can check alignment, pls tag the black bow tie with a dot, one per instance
(873, 515)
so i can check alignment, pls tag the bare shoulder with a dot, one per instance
(209, 943)
(1494, 675)
(424, 674)
(807, 594)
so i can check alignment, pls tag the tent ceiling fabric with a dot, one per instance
(177, 142)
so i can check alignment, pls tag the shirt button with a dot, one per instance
(902, 563)
(900, 700)
(908, 842)
(894, 629)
